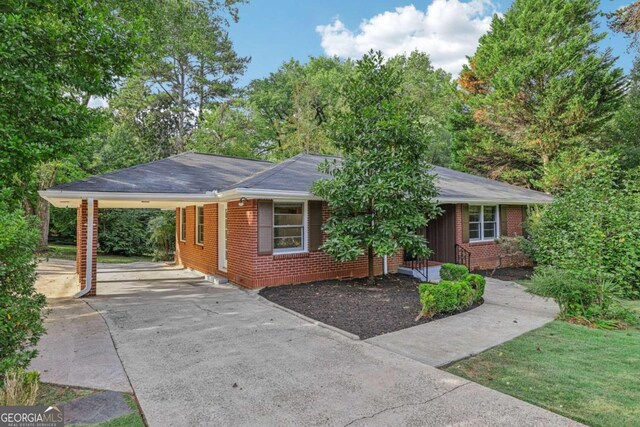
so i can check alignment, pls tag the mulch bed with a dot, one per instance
(367, 311)
(508, 274)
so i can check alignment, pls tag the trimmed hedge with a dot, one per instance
(449, 296)
(453, 272)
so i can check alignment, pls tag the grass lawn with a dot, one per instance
(49, 394)
(590, 375)
(69, 252)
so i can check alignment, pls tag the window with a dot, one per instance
(199, 225)
(483, 223)
(288, 227)
(183, 224)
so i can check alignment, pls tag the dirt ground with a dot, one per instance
(367, 311)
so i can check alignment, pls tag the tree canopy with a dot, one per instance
(537, 85)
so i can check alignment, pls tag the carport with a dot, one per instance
(188, 179)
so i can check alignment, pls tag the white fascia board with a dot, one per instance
(61, 198)
(259, 193)
(451, 200)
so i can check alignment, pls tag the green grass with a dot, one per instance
(590, 375)
(50, 393)
(69, 252)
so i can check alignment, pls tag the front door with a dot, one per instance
(222, 236)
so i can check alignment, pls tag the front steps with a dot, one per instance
(432, 272)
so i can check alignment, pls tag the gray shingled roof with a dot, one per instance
(186, 173)
(195, 173)
(299, 172)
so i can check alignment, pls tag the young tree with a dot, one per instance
(536, 86)
(382, 190)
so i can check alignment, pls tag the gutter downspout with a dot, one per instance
(385, 267)
(89, 260)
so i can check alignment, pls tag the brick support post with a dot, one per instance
(81, 246)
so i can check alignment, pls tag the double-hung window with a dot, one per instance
(288, 226)
(183, 224)
(199, 225)
(483, 223)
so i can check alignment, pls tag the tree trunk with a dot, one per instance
(371, 280)
(47, 175)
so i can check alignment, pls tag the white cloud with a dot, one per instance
(447, 30)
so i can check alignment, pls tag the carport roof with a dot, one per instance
(186, 173)
(203, 178)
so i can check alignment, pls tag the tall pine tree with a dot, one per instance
(536, 87)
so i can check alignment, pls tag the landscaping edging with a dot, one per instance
(308, 319)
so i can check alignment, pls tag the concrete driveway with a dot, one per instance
(198, 354)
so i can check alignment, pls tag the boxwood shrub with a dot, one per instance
(449, 296)
(453, 272)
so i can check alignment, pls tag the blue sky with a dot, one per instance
(273, 31)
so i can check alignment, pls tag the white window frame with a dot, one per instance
(481, 224)
(183, 225)
(197, 222)
(305, 229)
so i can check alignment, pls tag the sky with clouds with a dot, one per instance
(272, 32)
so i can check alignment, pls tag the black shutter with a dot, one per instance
(315, 225)
(465, 223)
(503, 220)
(265, 227)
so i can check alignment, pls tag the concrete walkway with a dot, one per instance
(508, 311)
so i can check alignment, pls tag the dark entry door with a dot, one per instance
(441, 235)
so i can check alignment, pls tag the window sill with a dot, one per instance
(200, 244)
(290, 255)
(482, 242)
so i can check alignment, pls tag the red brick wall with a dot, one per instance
(247, 268)
(203, 258)
(81, 247)
(484, 255)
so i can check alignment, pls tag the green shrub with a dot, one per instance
(21, 307)
(162, 236)
(582, 294)
(453, 272)
(477, 283)
(593, 227)
(125, 231)
(445, 297)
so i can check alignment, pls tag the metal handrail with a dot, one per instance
(463, 256)
(418, 264)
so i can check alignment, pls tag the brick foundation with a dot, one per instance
(81, 247)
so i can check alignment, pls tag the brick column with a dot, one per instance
(81, 254)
